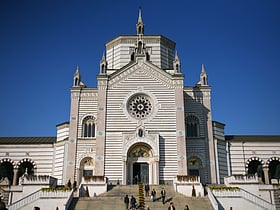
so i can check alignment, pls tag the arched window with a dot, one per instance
(192, 126)
(88, 127)
(103, 69)
(177, 67)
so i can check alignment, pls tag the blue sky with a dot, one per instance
(42, 42)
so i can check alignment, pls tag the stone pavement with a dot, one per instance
(113, 200)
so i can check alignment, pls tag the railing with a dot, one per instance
(28, 199)
(93, 180)
(69, 200)
(237, 179)
(39, 194)
(213, 200)
(246, 195)
(187, 179)
(40, 180)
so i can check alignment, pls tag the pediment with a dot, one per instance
(146, 69)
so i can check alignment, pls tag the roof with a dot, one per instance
(27, 140)
(252, 138)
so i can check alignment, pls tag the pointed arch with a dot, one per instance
(88, 127)
(192, 124)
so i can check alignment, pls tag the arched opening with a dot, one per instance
(274, 169)
(6, 170)
(195, 167)
(140, 164)
(254, 166)
(87, 166)
(192, 126)
(25, 167)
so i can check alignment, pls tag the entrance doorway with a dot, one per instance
(140, 173)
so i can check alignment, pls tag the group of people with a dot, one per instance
(132, 202)
(154, 193)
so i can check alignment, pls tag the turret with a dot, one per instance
(140, 24)
(103, 65)
(77, 80)
(177, 64)
(203, 77)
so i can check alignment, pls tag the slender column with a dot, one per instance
(15, 176)
(124, 173)
(266, 176)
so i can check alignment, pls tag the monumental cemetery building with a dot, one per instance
(141, 123)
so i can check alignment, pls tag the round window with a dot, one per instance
(140, 106)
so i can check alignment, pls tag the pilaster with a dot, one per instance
(101, 125)
(180, 127)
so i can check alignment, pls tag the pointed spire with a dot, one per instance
(77, 70)
(202, 68)
(176, 56)
(140, 16)
(103, 64)
(140, 24)
(77, 77)
(177, 63)
(203, 76)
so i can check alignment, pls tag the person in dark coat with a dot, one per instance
(154, 195)
(163, 194)
(147, 189)
(126, 201)
(171, 206)
(133, 202)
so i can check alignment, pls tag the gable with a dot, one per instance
(140, 70)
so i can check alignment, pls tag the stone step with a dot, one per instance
(113, 199)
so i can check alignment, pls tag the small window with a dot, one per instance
(88, 127)
(192, 126)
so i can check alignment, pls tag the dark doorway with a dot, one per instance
(140, 173)
(6, 170)
(194, 172)
(274, 169)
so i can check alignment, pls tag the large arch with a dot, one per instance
(7, 167)
(26, 165)
(86, 168)
(273, 167)
(195, 167)
(141, 165)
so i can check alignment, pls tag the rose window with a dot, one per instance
(140, 106)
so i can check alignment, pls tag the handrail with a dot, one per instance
(35, 196)
(69, 200)
(213, 200)
(255, 199)
(248, 196)
(28, 199)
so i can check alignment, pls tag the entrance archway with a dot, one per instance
(87, 166)
(141, 165)
(195, 167)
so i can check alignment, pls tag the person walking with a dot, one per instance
(147, 208)
(154, 195)
(163, 194)
(132, 202)
(186, 207)
(171, 206)
(126, 201)
(147, 190)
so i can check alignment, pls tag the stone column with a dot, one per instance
(15, 176)
(266, 176)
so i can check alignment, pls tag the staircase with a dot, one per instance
(113, 199)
